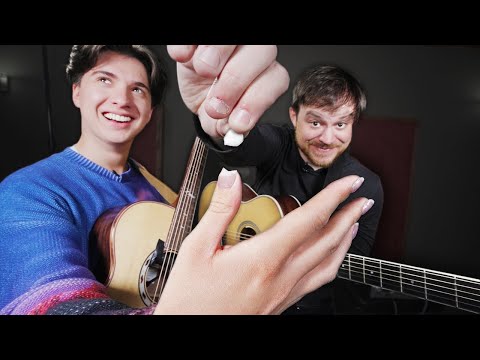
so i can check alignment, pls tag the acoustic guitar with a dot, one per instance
(136, 245)
(257, 213)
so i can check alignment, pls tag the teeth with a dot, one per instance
(116, 117)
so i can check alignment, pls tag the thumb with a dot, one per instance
(223, 207)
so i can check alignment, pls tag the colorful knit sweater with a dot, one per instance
(47, 211)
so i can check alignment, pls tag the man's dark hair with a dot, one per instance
(84, 57)
(328, 86)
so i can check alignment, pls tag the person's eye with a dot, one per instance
(104, 80)
(138, 90)
(341, 125)
(315, 123)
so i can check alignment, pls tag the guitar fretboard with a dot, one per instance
(185, 210)
(444, 288)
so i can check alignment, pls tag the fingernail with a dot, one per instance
(226, 178)
(211, 57)
(241, 118)
(357, 184)
(367, 206)
(354, 230)
(219, 105)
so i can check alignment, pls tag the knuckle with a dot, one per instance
(233, 79)
(281, 74)
(220, 207)
(320, 220)
(271, 51)
(331, 275)
(264, 268)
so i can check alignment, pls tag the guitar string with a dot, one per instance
(385, 265)
(409, 277)
(437, 297)
(413, 287)
(172, 233)
(177, 235)
(404, 268)
(175, 225)
(412, 277)
(186, 189)
(193, 181)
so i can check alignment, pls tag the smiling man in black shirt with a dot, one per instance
(303, 157)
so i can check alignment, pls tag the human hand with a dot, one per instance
(249, 81)
(269, 272)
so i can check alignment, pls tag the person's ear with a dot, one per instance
(293, 116)
(76, 94)
(152, 110)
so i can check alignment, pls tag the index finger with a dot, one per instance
(209, 60)
(245, 64)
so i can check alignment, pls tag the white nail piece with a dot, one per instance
(232, 138)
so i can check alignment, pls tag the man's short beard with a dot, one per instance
(304, 149)
(322, 164)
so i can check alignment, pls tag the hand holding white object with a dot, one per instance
(249, 81)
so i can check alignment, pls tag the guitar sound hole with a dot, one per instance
(155, 287)
(157, 271)
(247, 232)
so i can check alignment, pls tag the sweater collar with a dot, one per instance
(81, 160)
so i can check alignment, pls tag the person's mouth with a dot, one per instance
(117, 117)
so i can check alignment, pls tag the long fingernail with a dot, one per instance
(240, 118)
(357, 184)
(367, 206)
(354, 230)
(211, 57)
(219, 105)
(226, 178)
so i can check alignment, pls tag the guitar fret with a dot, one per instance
(441, 289)
(413, 282)
(456, 292)
(468, 297)
(363, 263)
(373, 272)
(425, 283)
(401, 285)
(391, 279)
(349, 268)
(344, 270)
(357, 270)
(381, 280)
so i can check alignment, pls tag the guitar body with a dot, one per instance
(256, 214)
(126, 240)
(133, 248)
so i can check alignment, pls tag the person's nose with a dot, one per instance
(121, 96)
(327, 136)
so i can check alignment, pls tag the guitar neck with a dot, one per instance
(444, 288)
(187, 199)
